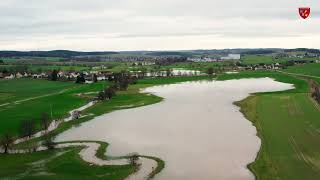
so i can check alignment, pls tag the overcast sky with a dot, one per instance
(156, 24)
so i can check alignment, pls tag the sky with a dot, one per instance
(103, 25)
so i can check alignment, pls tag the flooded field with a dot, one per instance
(196, 130)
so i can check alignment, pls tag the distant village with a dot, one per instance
(100, 73)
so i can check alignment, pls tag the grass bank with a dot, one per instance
(288, 125)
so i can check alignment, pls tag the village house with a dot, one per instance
(9, 76)
(19, 75)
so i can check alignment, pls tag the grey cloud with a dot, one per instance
(121, 21)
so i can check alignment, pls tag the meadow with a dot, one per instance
(305, 69)
(28, 98)
(20, 89)
(288, 125)
(269, 59)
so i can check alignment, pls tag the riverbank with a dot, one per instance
(288, 125)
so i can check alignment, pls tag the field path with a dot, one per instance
(297, 74)
(36, 97)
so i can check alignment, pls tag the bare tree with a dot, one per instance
(27, 128)
(168, 72)
(101, 96)
(110, 92)
(75, 115)
(95, 78)
(48, 142)
(210, 71)
(6, 141)
(133, 158)
(44, 121)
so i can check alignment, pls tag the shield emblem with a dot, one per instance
(304, 12)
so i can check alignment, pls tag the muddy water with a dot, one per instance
(196, 129)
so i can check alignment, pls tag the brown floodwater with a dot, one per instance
(196, 130)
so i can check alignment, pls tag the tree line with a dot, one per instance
(27, 128)
(120, 82)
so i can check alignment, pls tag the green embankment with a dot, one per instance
(288, 124)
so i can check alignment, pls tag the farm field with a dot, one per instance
(39, 96)
(306, 69)
(257, 59)
(288, 124)
(19, 89)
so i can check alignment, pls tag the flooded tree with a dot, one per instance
(75, 115)
(95, 78)
(44, 121)
(133, 158)
(48, 142)
(6, 141)
(168, 72)
(210, 71)
(27, 128)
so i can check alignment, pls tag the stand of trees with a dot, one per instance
(315, 91)
(27, 128)
(6, 141)
(121, 82)
(108, 93)
(44, 121)
(80, 79)
(210, 71)
(48, 142)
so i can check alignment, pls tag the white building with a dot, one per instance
(232, 57)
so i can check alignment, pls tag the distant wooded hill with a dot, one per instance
(55, 53)
(68, 54)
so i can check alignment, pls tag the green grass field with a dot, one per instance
(257, 59)
(60, 97)
(20, 89)
(306, 69)
(288, 124)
